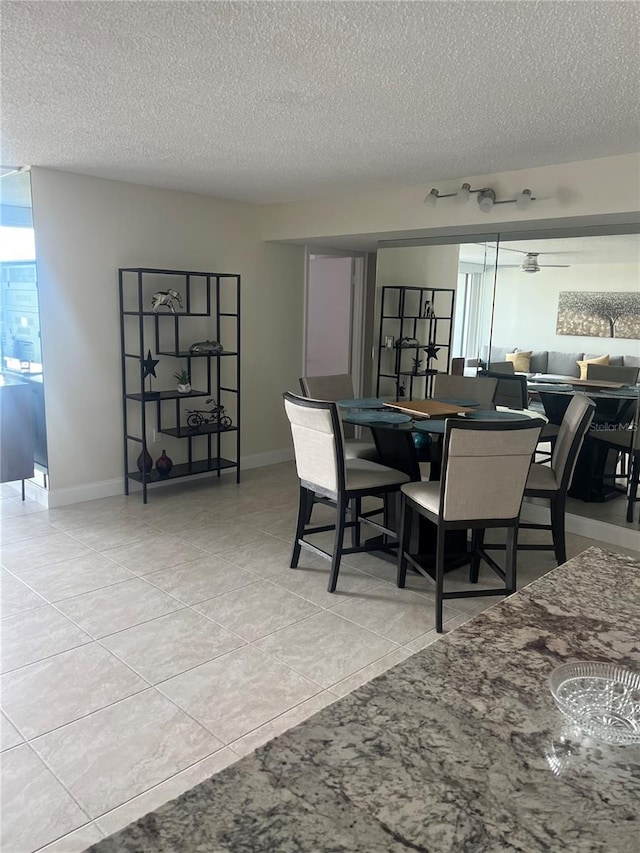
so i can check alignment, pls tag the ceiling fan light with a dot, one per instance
(431, 198)
(463, 193)
(524, 199)
(530, 263)
(486, 200)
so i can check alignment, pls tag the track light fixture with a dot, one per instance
(486, 197)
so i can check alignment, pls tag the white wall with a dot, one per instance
(526, 307)
(88, 227)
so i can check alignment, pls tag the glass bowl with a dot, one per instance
(601, 698)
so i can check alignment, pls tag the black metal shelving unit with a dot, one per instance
(211, 311)
(424, 314)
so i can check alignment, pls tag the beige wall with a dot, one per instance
(419, 266)
(604, 187)
(88, 227)
(415, 266)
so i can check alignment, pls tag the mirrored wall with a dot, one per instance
(563, 311)
(24, 442)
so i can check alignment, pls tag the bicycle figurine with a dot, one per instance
(216, 415)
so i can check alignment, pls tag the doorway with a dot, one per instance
(334, 315)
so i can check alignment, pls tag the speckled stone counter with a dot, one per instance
(458, 748)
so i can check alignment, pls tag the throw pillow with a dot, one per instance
(521, 360)
(604, 359)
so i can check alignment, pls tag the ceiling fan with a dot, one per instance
(530, 262)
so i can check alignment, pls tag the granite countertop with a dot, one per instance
(458, 748)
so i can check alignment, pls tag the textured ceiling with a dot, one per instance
(604, 249)
(262, 101)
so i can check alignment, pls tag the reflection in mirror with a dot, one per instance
(567, 314)
(24, 445)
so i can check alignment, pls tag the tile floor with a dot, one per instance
(144, 648)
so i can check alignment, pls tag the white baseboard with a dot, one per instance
(108, 488)
(590, 528)
(85, 492)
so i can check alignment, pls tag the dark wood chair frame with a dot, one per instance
(514, 379)
(630, 471)
(341, 499)
(477, 526)
(557, 500)
(318, 499)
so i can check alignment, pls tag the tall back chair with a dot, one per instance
(613, 373)
(552, 482)
(625, 442)
(332, 389)
(324, 471)
(511, 390)
(502, 367)
(457, 366)
(481, 391)
(485, 468)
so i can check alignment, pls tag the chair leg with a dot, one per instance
(439, 577)
(634, 480)
(305, 501)
(557, 530)
(356, 509)
(337, 542)
(477, 541)
(404, 532)
(512, 556)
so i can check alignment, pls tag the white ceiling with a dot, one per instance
(606, 249)
(265, 101)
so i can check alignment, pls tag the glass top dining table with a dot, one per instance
(403, 442)
(380, 412)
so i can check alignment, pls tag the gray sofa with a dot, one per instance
(554, 364)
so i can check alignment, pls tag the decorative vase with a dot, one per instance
(164, 465)
(144, 462)
(184, 389)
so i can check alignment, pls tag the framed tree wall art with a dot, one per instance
(599, 314)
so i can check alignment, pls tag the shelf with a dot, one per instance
(181, 272)
(187, 354)
(403, 314)
(184, 469)
(411, 346)
(204, 294)
(411, 317)
(205, 429)
(168, 395)
(164, 314)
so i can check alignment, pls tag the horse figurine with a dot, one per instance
(168, 298)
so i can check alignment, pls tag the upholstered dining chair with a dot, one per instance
(485, 468)
(511, 390)
(481, 391)
(503, 367)
(627, 443)
(334, 388)
(613, 373)
(324, 471)
(552, 482)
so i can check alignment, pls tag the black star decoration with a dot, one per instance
(149, 366)
(432, 350)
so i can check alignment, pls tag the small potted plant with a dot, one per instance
(184, 381)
